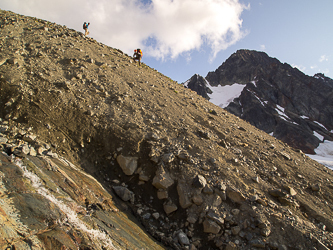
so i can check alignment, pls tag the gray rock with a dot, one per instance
(183, 239)
(257, 243)
(124, 193)
(184, 195)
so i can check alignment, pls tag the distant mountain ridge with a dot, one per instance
(277, 98)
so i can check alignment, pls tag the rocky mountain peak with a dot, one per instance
(242, 67)
(276, 98)
(98, 152)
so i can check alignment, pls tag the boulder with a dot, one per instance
(128, 164)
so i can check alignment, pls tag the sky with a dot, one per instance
(180, 38)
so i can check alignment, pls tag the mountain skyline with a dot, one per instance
(274, 97)
(181, 38)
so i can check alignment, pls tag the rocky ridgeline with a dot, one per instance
(276, 98)
(194, 175)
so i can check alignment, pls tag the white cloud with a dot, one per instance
(163, 28)
(323, 58)
(262, 47)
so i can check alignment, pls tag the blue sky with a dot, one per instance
(180, 38)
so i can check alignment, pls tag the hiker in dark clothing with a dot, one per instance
(85, 27)
(137, 55)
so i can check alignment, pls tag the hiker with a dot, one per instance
(137, 55)
(85, 27)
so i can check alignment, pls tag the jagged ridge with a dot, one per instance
(277, 98)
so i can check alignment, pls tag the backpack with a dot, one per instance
(139, 51)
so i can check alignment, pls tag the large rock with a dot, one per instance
(128, 164)
(162, 179)
(184, 194)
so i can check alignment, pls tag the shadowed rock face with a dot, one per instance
(49, 203)
(272, 88)
(99, 153)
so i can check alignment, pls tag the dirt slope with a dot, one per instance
(194, 175)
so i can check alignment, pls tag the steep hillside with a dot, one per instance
(279, 99)
(94, 146)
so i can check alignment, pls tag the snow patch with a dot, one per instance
(319, 136)
(324, 154)
(321, 125)
(223, 95)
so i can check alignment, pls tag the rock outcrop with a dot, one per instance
(94, 146)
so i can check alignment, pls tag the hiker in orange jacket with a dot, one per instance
(137, 55)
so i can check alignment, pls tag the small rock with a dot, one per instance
(235, 195)
(124, 193)
(162, 179)
(156, 215)
(257, 243)
(265, 231)
(183, 239)
(169, 208)
(231, 246)
(211, 227)
(199, 181)
(167, 158)
(197, 200)
(214, 217)
(315, 187)
(277, 193)
(235, 230)
(162, 194)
